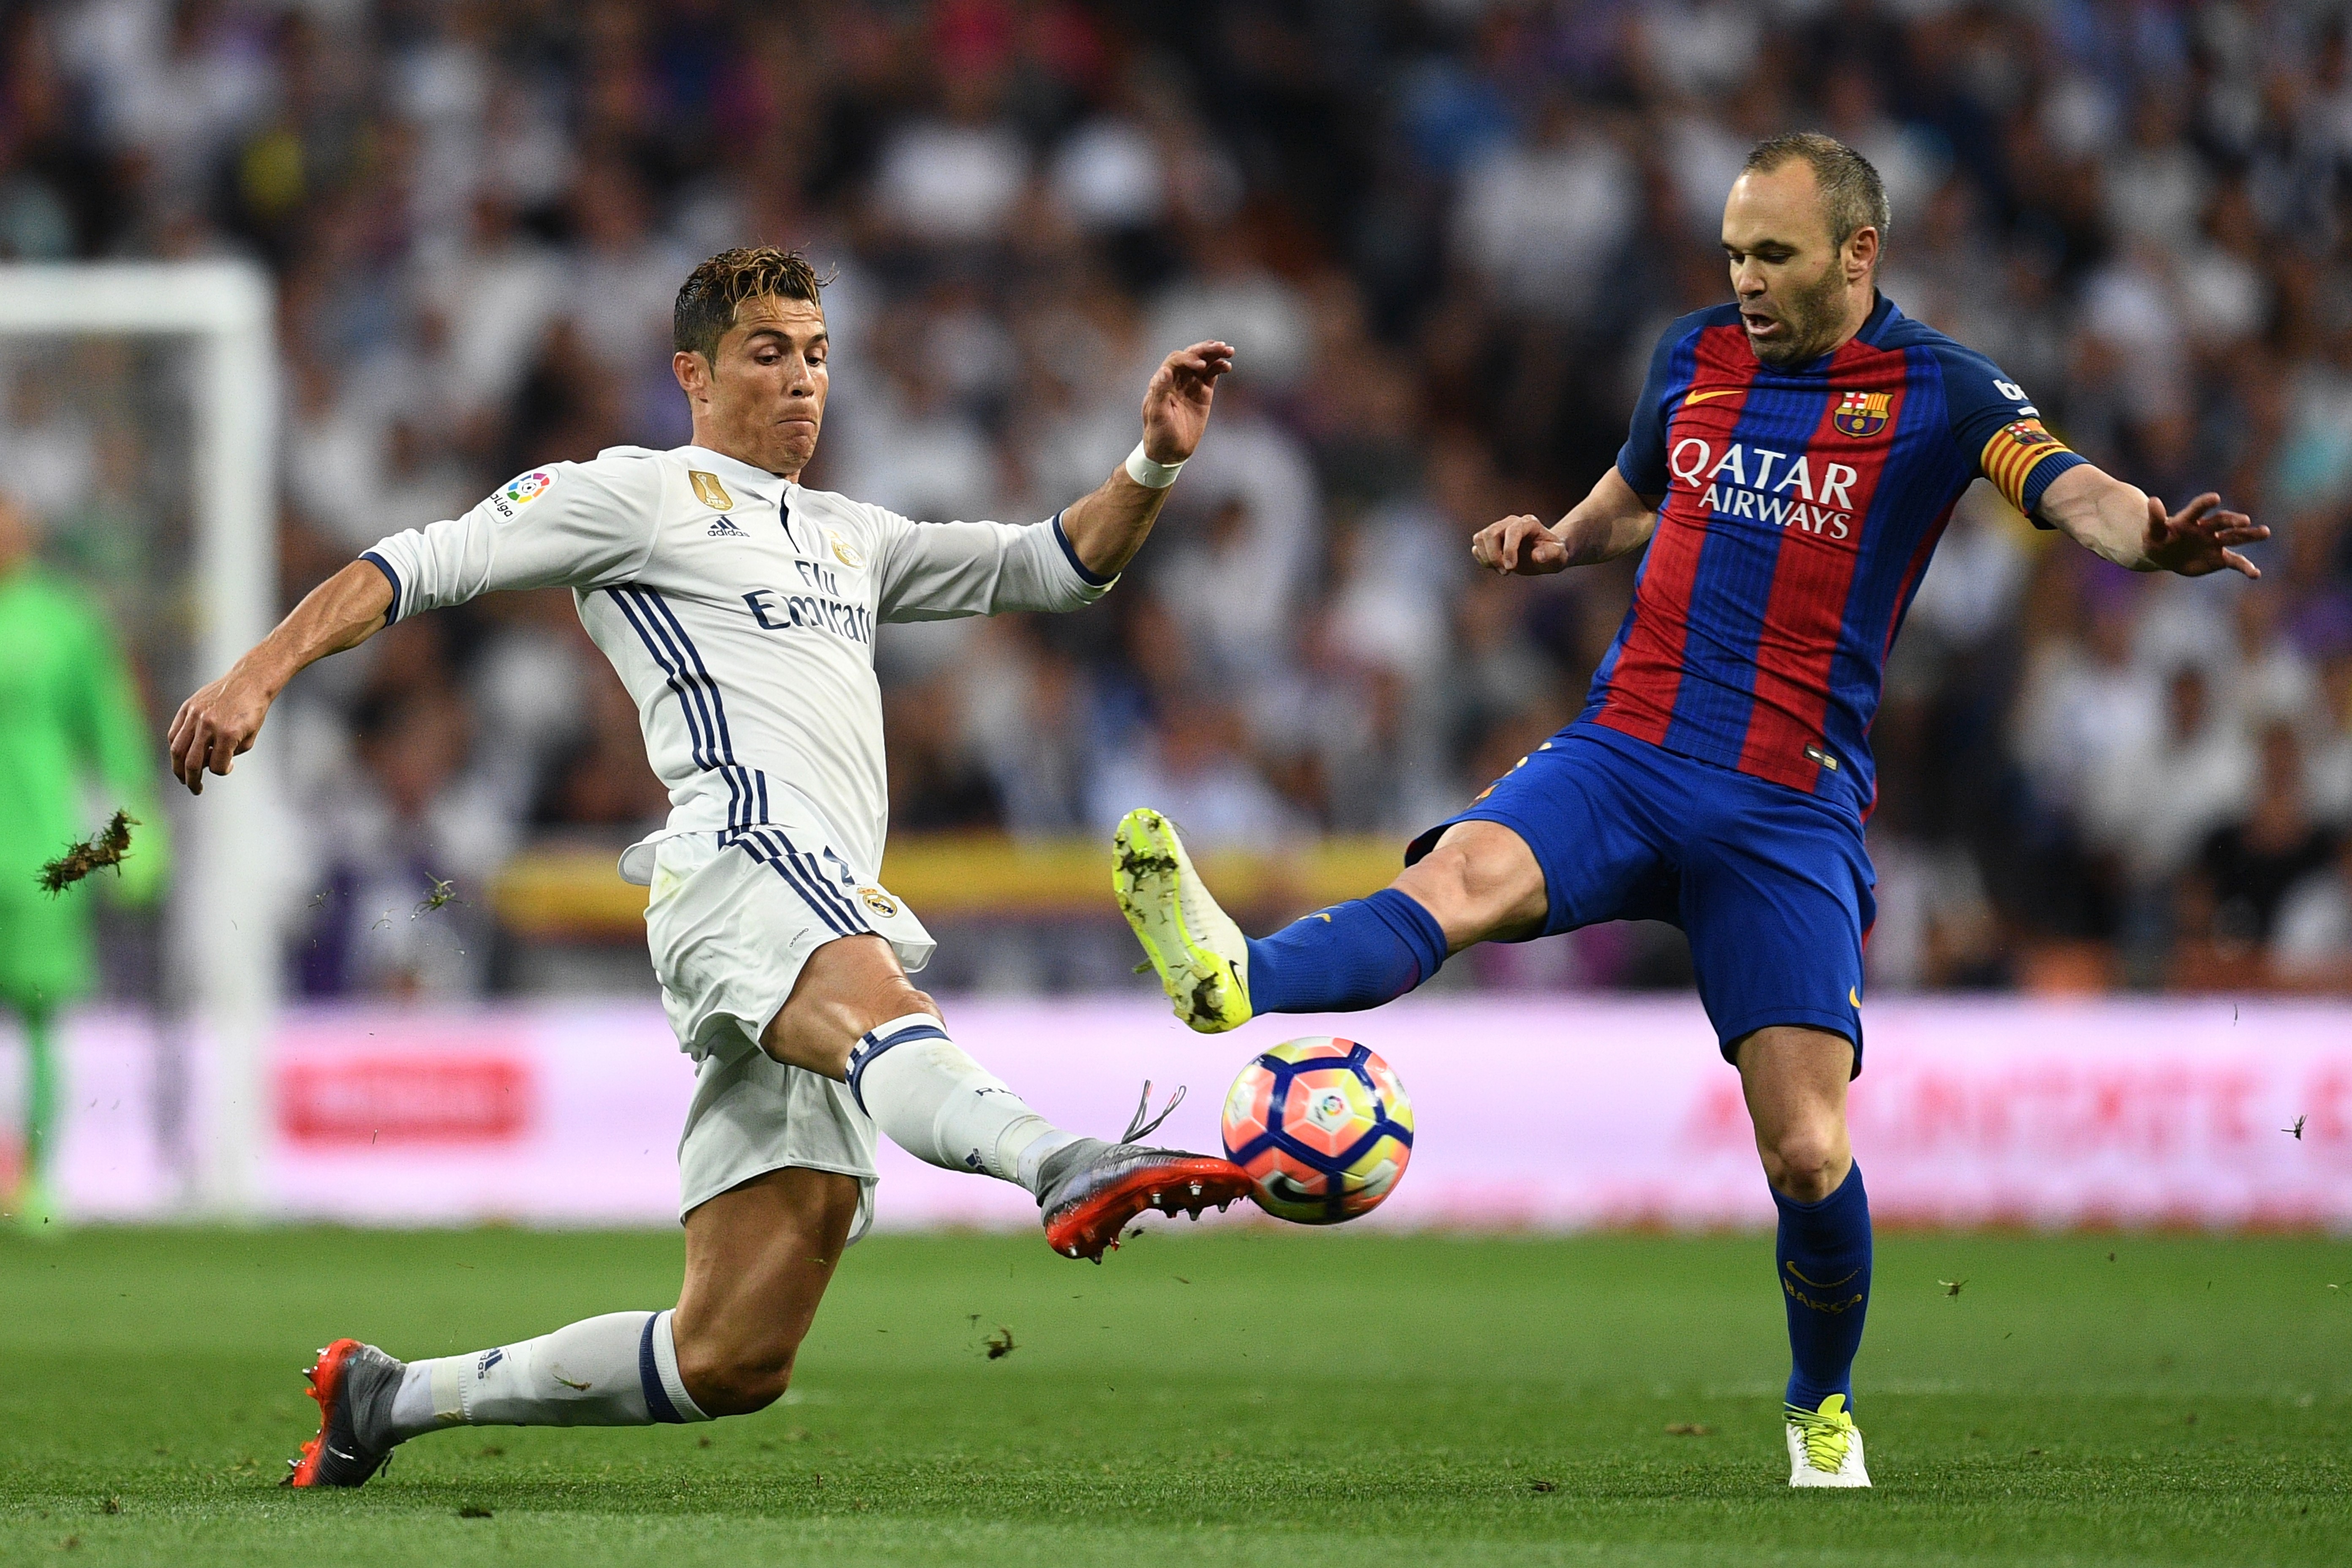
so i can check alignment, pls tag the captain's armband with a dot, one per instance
(2021, 459)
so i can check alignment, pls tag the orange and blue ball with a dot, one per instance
(1323, 1127)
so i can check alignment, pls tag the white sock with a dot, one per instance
(945, 1108)
(619, 1370)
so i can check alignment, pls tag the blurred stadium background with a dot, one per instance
(2116, 810)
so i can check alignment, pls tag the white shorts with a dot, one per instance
(730, 929)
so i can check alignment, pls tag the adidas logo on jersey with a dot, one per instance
(721, 528)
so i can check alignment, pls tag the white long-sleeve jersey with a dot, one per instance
(739, 611)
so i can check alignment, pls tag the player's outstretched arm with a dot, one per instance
(1613, 521)
(1109, 525)
(2131, 528)
(218, 724)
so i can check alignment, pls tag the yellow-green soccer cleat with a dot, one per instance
(1202, 956)
(1825, 1446)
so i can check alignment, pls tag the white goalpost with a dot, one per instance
(226, 310)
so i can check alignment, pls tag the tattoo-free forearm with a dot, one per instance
(342, 612)
(1611, 522)
(1109, 524)
(218, 722)
(2100, 512)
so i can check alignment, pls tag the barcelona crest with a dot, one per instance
(1862, 413)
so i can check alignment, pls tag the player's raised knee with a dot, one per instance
(1479, 881)
(884, 999)
(904, 998)
(1805, 1162)
(846, 988)
(735, 1380)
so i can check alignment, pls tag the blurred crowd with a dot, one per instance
(1443, 236)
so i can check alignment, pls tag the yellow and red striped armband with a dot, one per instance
(2015, 451)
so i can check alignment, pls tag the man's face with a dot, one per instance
(762, 400)
(1796, 288)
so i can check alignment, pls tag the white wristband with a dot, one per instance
(1151, 475)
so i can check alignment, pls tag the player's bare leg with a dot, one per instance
(1479, 883)
(758, 1258)
(1795, 1082)
(846, 988)
(855, 1017)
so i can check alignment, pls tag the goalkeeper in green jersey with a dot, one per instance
(73, 736)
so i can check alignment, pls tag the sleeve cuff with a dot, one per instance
(392, 577)
(1069, 553)
(1625, 470)
(2039, 480)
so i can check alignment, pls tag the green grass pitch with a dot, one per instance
(1233, 1395)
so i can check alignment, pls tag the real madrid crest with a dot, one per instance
(1862, 413)
(708, 491)
(880, 902)
(844, 552)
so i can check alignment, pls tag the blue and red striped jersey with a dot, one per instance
(1801, 507)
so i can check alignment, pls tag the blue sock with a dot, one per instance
(1824, 1263)
(1351, 956)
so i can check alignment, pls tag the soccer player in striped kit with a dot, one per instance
(738, 607)
(1793, 460)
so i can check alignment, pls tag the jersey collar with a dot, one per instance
(737, 474)
(1883, 314)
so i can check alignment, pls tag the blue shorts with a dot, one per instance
(1772, 887)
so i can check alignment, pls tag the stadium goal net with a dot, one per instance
(140, 432)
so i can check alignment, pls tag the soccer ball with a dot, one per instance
(1323, 1128)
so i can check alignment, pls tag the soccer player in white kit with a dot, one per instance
(740, 609)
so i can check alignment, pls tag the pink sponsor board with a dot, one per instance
(1560, 1112)
(548, 1114)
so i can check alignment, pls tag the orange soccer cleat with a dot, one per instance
(354, 1385)
(1092, 1188)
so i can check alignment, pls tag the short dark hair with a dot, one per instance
(1853, 195)
(708, 300)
